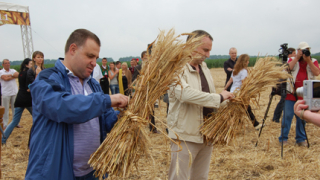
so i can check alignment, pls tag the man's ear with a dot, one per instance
(72, 48)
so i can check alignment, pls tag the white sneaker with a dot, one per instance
(258, 127)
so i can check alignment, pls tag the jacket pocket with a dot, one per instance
(181, 117)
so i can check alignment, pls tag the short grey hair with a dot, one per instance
(5, 60)
(233, 48)
(198, 33)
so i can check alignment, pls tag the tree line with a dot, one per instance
(128, 59)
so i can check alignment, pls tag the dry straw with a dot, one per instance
(128, 140)
(224, 125)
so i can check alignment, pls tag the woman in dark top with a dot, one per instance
(37, 66)
(23, 99)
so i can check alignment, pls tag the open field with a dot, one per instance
(212, 63)
(239, 160)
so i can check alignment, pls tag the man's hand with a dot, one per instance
(229, 69)
(117, 71)
(307, 58)
(7, 77)
(119, 100)
(298, 55)
(226, 95)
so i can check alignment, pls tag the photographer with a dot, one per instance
(312, 117)
(302, 67)
(279, 108)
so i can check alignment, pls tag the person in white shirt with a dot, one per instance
(97, 75)
(9, 89)
(239, 73)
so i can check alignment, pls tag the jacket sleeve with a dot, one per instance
(51, 100)
(226, 66)
(129, 76)
(186, 94)
(30, 76)
(110, 118)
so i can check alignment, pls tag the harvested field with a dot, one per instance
(239, 160)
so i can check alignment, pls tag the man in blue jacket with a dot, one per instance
(71, 114)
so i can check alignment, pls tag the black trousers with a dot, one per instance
(252, 117)
(278, 111)
(153, 122)
(104, 83)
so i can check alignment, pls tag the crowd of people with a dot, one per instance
(73, 110)
(116, 76)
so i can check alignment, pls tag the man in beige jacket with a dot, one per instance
(189, 103)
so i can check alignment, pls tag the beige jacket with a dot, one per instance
(186, 104)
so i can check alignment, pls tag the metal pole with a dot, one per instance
(265, 117)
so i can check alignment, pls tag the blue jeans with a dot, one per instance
(286, 122)
(114, 88)
(89, 176)
(15, 121)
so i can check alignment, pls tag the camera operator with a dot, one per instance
(312, 117)
(279, 108)
(302, 67)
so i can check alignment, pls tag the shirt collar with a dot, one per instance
(70, 74)
(192, 68)
(6, 70)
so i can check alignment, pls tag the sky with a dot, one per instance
(125, 27)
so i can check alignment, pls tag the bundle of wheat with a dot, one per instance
(223, 125)
(128, 140)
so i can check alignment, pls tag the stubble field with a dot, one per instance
(239, 160)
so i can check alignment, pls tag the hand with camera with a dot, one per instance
(306, 55)
(307, 115)
(299, 54)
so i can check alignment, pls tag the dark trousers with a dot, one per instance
(104, 83)
(252, 117)
(228, 89)
(153, 122)
(278, 111)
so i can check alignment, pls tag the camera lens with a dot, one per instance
(306, 52)
(300, 92)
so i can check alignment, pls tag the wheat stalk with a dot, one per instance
(128, 141)
(223, 125)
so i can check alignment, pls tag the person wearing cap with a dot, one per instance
(302, 67)
(279, 108)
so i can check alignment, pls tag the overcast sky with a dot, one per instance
(125, 27)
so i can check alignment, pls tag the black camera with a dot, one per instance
(306, 52)
(284, 51)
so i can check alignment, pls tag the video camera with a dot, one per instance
(284, 52)
(311, 94)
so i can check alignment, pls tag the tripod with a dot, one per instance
(265, 116)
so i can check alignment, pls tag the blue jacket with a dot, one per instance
(55, 110)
